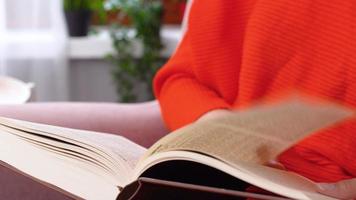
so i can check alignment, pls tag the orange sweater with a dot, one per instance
(236, 52)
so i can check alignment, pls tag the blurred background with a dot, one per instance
(85, 50)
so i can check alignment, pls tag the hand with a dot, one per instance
(341, 190)
(214, 114)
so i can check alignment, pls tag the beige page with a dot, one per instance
(254, 136)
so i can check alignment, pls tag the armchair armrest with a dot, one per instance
(141, 122)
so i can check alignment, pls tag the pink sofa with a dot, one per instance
(141, 123)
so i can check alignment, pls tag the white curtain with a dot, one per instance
(33, 44)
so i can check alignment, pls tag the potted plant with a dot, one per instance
(131, 70)
(78, 15)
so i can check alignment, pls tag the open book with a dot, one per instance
(231, 150)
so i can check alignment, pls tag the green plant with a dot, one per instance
(130, 69)
(82, 4)
(97, 6)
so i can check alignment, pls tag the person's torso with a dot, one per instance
(248, 50)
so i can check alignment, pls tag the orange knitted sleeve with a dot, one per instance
(182, 98)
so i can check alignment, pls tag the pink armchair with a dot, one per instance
(140, 123)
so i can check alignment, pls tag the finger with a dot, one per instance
(342, 190)
(275, 164)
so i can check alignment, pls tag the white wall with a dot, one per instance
(90, 80)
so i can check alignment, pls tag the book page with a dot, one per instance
(256, 135)
(116, 154)
(81, 181)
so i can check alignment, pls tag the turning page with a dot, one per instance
(256, 135)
